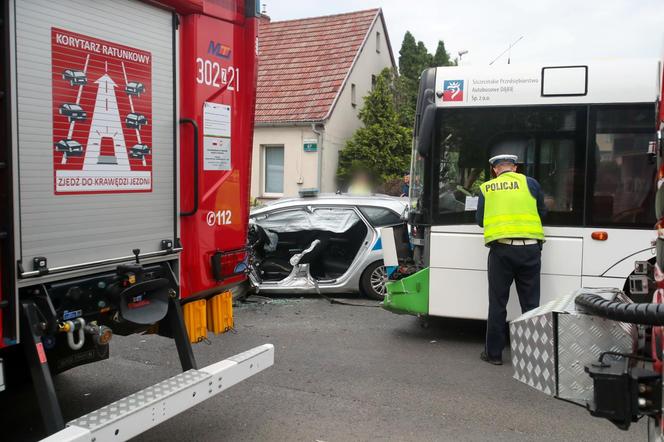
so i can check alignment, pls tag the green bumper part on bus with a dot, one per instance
(409, 295)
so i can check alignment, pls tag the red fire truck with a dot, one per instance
(125, 151)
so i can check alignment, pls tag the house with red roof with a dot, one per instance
(312, 76)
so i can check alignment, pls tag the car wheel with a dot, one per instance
(373, 280)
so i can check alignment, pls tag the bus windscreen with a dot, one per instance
(595, 174)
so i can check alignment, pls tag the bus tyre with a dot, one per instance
(373, 280)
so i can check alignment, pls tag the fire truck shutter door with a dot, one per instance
(95, 122)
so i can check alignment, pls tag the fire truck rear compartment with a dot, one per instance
(76, 227)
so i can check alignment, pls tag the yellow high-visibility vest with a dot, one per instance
(510, 210)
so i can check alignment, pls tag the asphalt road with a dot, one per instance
(341, 373)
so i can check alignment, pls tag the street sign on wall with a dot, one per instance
(102, 115)
(311, 145)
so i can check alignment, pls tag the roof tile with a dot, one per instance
(302, 64)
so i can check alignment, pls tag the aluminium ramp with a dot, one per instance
(153, 405)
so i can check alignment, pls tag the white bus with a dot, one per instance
(586, 132)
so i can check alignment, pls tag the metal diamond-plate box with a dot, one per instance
(533, 355)
(552, 344)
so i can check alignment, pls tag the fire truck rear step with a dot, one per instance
(153, 405)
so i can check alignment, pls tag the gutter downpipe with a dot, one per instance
(319, 135)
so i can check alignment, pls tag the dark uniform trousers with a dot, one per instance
(508, 263)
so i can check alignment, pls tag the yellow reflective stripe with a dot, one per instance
(515, 228)
(514, 223)
(509, 231)
(501, 219)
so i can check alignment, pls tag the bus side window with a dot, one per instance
(623, 183)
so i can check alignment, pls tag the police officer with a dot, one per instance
(510, 209)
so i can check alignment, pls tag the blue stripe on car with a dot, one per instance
(378, 245)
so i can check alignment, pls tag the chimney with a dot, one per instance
(264, 18)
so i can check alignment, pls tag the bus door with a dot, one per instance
(621, 192)
(556, 161)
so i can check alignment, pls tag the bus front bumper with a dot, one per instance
(409, 295)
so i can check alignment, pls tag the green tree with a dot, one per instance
(382, 146)
(406, 100)
(408, 55)
(442, 57)
(424, 59)
(413, 59)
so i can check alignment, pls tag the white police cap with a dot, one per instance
(504, 158)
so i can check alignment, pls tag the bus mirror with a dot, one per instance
(428, 96)
(425, 134)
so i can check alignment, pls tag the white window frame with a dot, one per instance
(378, 42)
(264, 192)
(353, 94)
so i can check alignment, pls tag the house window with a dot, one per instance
(273, 174)
(353, 94)
(373, 82)
(378, 42)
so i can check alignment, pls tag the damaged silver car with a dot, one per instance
(330, 244)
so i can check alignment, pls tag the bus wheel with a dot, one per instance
(373, 280)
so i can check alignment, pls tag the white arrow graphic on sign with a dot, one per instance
(106, 128)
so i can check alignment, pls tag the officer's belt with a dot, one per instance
(517, 241)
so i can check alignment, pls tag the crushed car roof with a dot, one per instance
(394, 203)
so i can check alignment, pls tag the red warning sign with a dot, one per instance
(102, 115)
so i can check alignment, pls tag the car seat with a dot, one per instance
(309, 254)
(277, 268)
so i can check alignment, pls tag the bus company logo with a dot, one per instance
(219, 50)
(453, 90)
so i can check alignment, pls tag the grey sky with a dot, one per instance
(553, 30)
